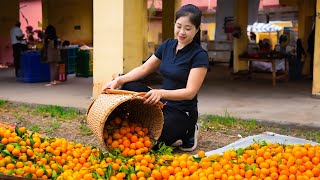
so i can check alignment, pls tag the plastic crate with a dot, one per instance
(73, 50)
(71, 65)
(32, 69)
(91, 63)
(84, 64)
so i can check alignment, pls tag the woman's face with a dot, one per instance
(184, 30)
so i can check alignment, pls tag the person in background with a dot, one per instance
(183, 64)
(18, 45)
(296, 62)
(301, 54)
(253, 37)
(52, 53)
(284, 41)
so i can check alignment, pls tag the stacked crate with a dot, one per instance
(85, 63)
(32, 69)
(72, 59)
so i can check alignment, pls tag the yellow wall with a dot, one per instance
(65, 14)
(9, 14)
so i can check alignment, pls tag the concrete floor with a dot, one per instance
(288, 103)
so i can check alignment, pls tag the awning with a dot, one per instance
(263, 27)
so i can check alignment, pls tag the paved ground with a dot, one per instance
(287, 103)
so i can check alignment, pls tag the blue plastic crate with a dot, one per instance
(73, 50)
(72, 65)
(32, 69)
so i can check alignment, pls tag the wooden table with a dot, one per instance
(271, 60)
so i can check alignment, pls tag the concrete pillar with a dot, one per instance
(306, 13)
(169, 9)
(240, 45)
(119, 38)
(135, 33)
(316, 64)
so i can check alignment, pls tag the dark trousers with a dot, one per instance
(17, 51)
(177, 123)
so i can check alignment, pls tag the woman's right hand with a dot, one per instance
(114, 84)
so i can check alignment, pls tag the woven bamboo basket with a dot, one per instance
(149, 116)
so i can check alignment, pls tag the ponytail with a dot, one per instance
(196, 38)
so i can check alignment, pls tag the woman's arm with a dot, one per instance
(195, 80)
(145, 69)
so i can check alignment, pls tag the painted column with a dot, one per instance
(316, 64)
(240, 45)
(108, 32)
(119, 38)
(306, 13)
(135, 33)
(169, 8)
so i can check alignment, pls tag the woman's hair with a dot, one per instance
(194, 13)
(50, 34)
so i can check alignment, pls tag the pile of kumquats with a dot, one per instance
(31, 155)
(130, 138)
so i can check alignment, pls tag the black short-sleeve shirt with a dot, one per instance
(175, 68)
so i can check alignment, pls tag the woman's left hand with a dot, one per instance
(153, 96)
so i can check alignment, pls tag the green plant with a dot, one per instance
(56, 111)
(217, 121)
(19, 117)
(48, 131)
(85, 130)
(35, 128)
(53, 126)
(3, 103)
(24, 108)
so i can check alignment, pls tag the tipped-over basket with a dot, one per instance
(148, 115)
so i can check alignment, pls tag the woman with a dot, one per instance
(52, 53)
(183, 65)
(299, 62)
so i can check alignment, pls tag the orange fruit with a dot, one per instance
(133, 138)
(201, 154)
(40, 172)
(115, 144)
(10, 147)
(16, 152)
(4, 141)
(139, 145)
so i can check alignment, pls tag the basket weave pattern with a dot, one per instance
(150, 116)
